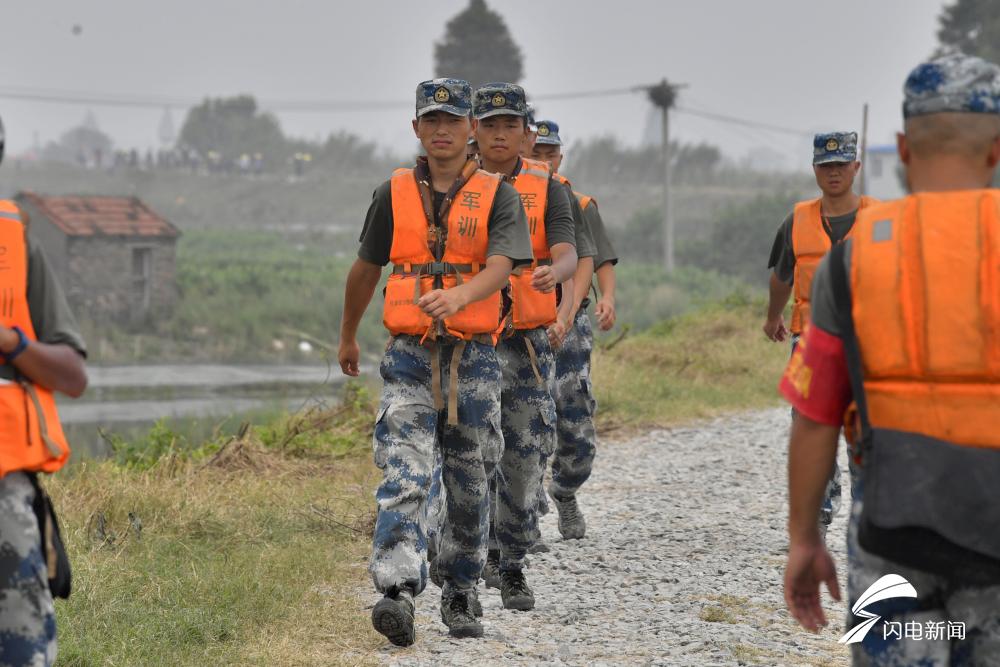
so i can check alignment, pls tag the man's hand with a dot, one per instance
(349, 355)
(775, 329)
(8, 339)
(557, 334)
(442, 303)
(543, 279)
(605, 312)
(809, 563)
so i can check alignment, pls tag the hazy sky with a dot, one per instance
(801, 65)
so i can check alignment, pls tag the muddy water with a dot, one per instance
(196, 401)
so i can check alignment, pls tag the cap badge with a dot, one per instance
(441, 95)
(499, 100)
(832, 145)
(543, 130)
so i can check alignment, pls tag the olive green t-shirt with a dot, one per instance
(507, 226)
(605, 251)
(51, 317)
(585, 246)
(782, 258)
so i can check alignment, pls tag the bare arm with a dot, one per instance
(442, 303)
(605, 310)
(54, 367)
(581, 282)
(362, 280)
(545, 278)
(812, 453)
(557, 330)
(780, 292)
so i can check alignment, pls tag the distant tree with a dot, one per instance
(478, 47)
(82, 144)
(232, 126)
(973, 27)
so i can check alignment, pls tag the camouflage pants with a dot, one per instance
(576, 438)
(408, 432)
(940, 603)
(528, 416)
(831, 497)
(27, 615)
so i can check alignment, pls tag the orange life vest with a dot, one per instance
(925, 284)
(415, 269)
(31, 437)
(810, 243)
(530, 308)
(583, 199)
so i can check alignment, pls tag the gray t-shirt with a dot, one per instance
(585, 246)
(605, 251)
(824, 305)
(51, 317)
(507, 226)
(782, 258)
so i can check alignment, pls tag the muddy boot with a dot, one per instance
(393, 617)
(515, 592)
(572, 525)
(491, 571)
(457, 612)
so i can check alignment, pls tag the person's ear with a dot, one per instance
(903, 147)
(994, 156)
(416, 121)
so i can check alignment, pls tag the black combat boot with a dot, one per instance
(572, 525)
(393, 617)
(515, 592)
(457, 612)
(491, 571)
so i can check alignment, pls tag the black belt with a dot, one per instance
(435, 269)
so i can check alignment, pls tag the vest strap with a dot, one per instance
(436, 269)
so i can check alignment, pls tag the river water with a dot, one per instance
(196, 401)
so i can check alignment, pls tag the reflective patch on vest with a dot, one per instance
(882, 231)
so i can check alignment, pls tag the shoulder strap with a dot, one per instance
(843, 302)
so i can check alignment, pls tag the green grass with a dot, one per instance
(712, 361)
(242, 551)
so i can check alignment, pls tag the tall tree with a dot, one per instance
(478, 47)
(232, 126)
(973, 27)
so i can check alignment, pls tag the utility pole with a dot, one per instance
(664, 96)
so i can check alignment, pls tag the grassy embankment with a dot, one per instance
(252, 549)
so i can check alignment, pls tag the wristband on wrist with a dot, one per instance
(22, 342)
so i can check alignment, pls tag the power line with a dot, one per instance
(326, 106)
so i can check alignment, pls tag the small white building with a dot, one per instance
(883, 173)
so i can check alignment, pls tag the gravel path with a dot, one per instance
(682, 564)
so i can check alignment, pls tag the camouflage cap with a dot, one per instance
(453, 96)
(952, 83)
(495, 99)
(548, 133)
(835, 147)
(531, 116)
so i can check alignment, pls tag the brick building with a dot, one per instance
(114, 256)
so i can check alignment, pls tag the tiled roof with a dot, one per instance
(107, 216)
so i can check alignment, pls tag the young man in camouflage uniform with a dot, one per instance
(575, 402)
(441, 388)
(40, 354)
(525, 351)
(904, 323)
(806, 234)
